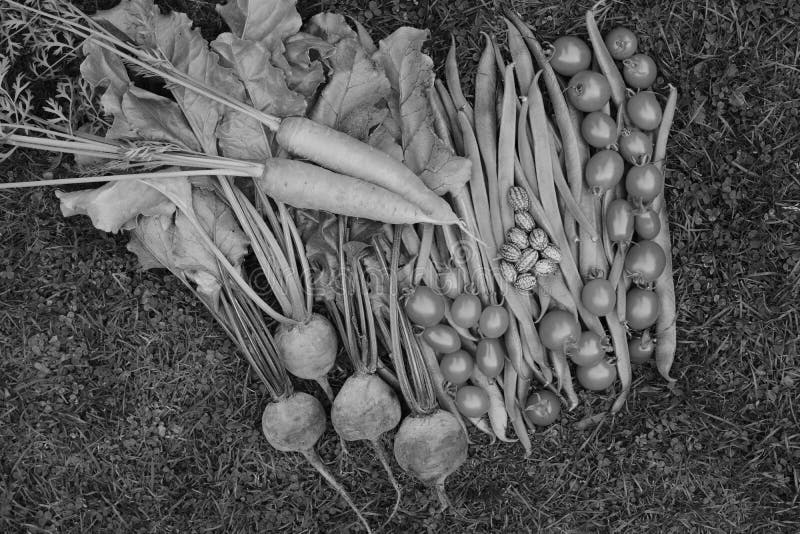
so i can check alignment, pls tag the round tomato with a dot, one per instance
(588, 91)
(493, 321)
(424, 306)
(644, 182)
(598, 377)
(645, 261)
(457, 367)
(466, 310)
(619, 221)
(647, 223)
(621, 43)
(559, 330)
(598, 296)
(589, 351)
(641, 308)
(639, 71)
(635, 146)
(641, 349)
(599, 129)
(604, 170)
(570, 55)
(542, 407)
(490, 356)
(472, 401)
(442, 338)
(644, 110)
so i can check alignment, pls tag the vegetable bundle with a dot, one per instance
(459, 250)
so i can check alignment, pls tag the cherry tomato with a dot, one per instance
(598, 296)
(641, 308)
(645, 260)
(457, 367)
(639, 71)
(472, 401)
(598, 377)
(493, 321)
(588, 90)
(644, 110)
(442, 338)
(644, 182)
(641, 349)
(490, 356)
(558, 330)
(543, 407)
(619, 221)
(599, 129)
(589, 350)
(621, 43)
(635, 146)
(424, 306)
(570, 55)
(604, 170)
(647, 223)
(466, 310)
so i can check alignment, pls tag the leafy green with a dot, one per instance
(410, 73)
(265, 84)
(354, 99)
(115, 205)
(172, 241)
(268, 22)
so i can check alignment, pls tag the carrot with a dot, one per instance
(486, 129)
(665, 286)
(341, 153)
(307, 186)
(604, 60)
(454, 80)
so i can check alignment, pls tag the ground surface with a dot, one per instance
(123, 408)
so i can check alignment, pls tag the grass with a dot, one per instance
(124, 408)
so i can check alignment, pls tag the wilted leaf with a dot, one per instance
(266, 84)
(156, 118)
(151, 241)
(332, 27)
(115, 205)
(265, 21)
(173, 242)
(242, 137)
(172, 35)
(411, 75)
(354, 99)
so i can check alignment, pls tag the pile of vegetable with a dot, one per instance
(469, 256)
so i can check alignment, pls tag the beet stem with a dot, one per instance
(380, 452)
(316, 462)
(444, 500)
